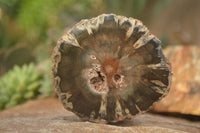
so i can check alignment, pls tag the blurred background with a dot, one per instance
(29, 30)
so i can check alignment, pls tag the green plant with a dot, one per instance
(29, 21)
(19, 85)
(46, 88)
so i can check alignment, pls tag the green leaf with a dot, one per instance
(34, 86)
(29, 95)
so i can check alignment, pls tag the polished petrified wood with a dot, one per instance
(109, 68)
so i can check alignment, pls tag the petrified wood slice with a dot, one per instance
(109, 68)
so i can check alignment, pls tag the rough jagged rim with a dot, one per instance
(56, 59)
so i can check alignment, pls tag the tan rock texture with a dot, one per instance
(49, 116)
(184, 96)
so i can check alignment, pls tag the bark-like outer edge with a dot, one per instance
(56, 59)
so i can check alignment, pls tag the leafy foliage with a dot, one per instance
(31, 19)
(19, 85)
(46, 88)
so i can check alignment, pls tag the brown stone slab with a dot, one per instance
(184, 96)
(48, 115)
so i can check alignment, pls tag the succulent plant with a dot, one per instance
(46, 88)
(19, 85)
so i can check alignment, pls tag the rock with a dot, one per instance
(109, 68)
(184, 96)
(48, 115)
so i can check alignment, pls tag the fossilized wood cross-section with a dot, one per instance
(109, 68)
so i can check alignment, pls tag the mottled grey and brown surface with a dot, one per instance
(184, 96)
(49, 116)
(109, 68)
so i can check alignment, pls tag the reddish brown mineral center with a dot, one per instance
(105, 75)
(110, 68)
